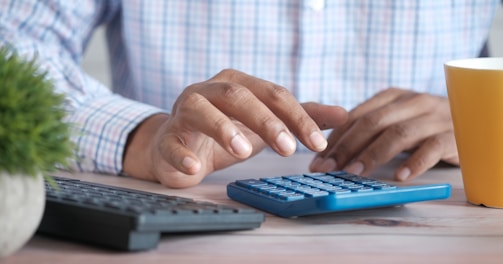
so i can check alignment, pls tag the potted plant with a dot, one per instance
(34, 139)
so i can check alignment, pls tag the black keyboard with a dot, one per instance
(127, 219)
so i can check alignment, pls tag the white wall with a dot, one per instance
(96, 60)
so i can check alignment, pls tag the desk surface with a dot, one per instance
(446, 231)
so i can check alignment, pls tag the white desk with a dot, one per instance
(446, 231)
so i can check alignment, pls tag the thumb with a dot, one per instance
(326, 116)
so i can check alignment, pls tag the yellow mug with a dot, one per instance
(475, 91)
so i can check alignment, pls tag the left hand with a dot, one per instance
(393, 121)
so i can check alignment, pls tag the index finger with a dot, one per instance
(282, 104)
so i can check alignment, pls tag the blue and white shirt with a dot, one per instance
(337, 52)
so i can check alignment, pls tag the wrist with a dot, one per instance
(136, 158)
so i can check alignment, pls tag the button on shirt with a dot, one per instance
(332, 52)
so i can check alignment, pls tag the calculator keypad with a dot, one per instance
(311, 185)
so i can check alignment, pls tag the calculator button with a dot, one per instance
(340, 191)
(363, 180)
(301, 188)
(334, 180)
(315, 174)
(292, 177)
(385, 187)
(276, 191)
(346, 184)
(272, 179)
(265, 188)
(290, 184)
(250, 183)
(323, 185)
(290, 196)
(315, 193)
(376, 184)
(365, 189)
(331, 189)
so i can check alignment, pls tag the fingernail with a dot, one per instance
(403, 174)
(239, 145)
(318, 140)
(285, 143)
(355, 168)
(328, 165)
(188, 162)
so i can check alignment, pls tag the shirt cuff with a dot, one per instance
(102, 128)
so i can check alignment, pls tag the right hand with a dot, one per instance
(222, 121)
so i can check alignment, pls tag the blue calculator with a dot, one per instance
(318, 193)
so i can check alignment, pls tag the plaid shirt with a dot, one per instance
(329, 51)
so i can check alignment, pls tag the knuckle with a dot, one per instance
(306, 125)
(278, 93)
(419, 163)
(425, 159)
(401, 131)
(221, 126)
(391, 91)
(370, 121)
(371, 156)
(228, 73)
(435, 143)
(188, 102)
(423, 97)
(424, 100)
(304, 121)
(268, 122)
(233, 91)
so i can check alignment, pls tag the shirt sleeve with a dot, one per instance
(55, 33)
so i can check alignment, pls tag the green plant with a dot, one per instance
(33, 136)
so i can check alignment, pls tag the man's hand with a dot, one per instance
(391, 122)
(223, 121)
